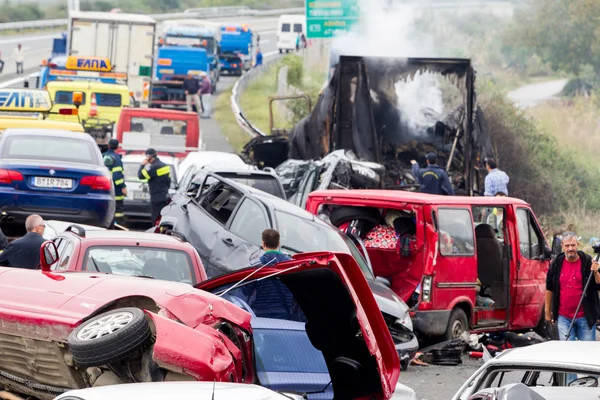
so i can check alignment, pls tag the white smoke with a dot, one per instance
(390, 32)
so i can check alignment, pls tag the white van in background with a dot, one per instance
(289, 27)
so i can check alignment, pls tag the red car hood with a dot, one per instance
(55, 303)
(352, 285)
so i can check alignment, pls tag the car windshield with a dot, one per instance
(165, 264)
(50, 148)
(158, 125)
(279, 350)
(303, 235)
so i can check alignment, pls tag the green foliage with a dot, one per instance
(26, 12)
(295, 69)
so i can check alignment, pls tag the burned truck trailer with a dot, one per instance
(367, 111)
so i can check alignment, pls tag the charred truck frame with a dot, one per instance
(358, 111)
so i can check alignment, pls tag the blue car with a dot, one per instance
(56, 174)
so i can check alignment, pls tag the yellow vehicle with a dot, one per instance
(30, 108)
(99, 109)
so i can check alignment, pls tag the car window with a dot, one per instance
(493, 216)
(186, 179)
(297, 28)
(279, 350)
(65, 256)
(108, 99)
(220, 202)
(266, 183)
(285, 27)
(249, 222)
(158, 263)
(66, 97)
(530, 237)
(159, 125)
(49, 148)
(304, 235)
(455, 232)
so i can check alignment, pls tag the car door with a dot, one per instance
(335, 302)
(242, 238)
(532, 268)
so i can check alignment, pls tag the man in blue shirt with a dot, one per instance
(259, 57)
(496, 180)
(433, 179)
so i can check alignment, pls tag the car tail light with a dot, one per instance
(96, 182)
(8, 176)
(426, 294)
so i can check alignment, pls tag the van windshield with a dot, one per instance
(158, 125)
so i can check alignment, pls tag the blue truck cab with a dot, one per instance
(172, 66)
(236, 48)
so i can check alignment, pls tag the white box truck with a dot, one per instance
(126, 39)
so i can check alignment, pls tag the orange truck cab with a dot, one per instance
(463, 264)
(169, 132)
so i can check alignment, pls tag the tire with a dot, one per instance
(132, 333)
(346, 214)
(457, 324)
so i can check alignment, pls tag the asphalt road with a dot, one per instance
(38, 47)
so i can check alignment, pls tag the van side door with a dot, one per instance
(530, 284)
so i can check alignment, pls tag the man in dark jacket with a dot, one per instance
(114, 164)
(191, 86)
(158, 175)
(25, 252)
(565, 281)
(433, 179)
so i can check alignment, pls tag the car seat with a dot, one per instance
(158, 268)
(167, 130)
(489, 260)
(137, 127)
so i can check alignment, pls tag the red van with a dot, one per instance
(169, 132)
(464, 263)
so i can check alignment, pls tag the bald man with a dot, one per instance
(25, 252)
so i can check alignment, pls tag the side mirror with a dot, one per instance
(383, 280)
(48, 255)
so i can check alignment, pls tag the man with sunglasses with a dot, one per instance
(25, 252)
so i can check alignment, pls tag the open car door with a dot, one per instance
(329, 293)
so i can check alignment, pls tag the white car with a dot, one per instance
(197, 390)
(137, 201)
(546, 364)
(214, 160)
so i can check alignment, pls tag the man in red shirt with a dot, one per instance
(566, 279)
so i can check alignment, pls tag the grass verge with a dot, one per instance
(222, 113)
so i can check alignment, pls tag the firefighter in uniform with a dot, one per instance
(158, 175)
(114, 164)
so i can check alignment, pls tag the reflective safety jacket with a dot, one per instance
(114, 164)
(158, 175)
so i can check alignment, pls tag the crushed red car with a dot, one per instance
(65, 330)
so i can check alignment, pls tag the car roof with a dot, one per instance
(19, 122)
(416, 197)
(553, 352)
(47, 132)
(279, 204)
(157, 113)
(140, 237)
(279, 324)
(172, 390)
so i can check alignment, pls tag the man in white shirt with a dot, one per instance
(19, 58)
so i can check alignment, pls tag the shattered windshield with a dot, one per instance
(165, 264)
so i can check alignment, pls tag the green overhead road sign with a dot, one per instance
(326, 18)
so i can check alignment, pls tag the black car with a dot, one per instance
(224, 221)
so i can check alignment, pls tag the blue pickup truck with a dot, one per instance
(236, 48)
(174, 63)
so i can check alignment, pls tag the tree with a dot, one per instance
(564, 33)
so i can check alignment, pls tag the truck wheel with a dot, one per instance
(457, 324)
(108, 338)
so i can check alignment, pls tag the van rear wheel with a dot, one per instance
(457, 324)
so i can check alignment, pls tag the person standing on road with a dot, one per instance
(433, 179)
(158, 175)
(19, 58)
(259, 57)
(113, 162)
(191, 86)
(496, 179)
(565, 281)
(206, 95)
(25, 252)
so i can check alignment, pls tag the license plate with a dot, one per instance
(141, 196)
(53, 183)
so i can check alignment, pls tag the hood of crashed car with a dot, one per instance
(56, 302)
(337, 307)
(388, 301)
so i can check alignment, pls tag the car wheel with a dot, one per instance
(110, 337)
(369, 216)
(457, 324)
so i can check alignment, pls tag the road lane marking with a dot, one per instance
(14, 81)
